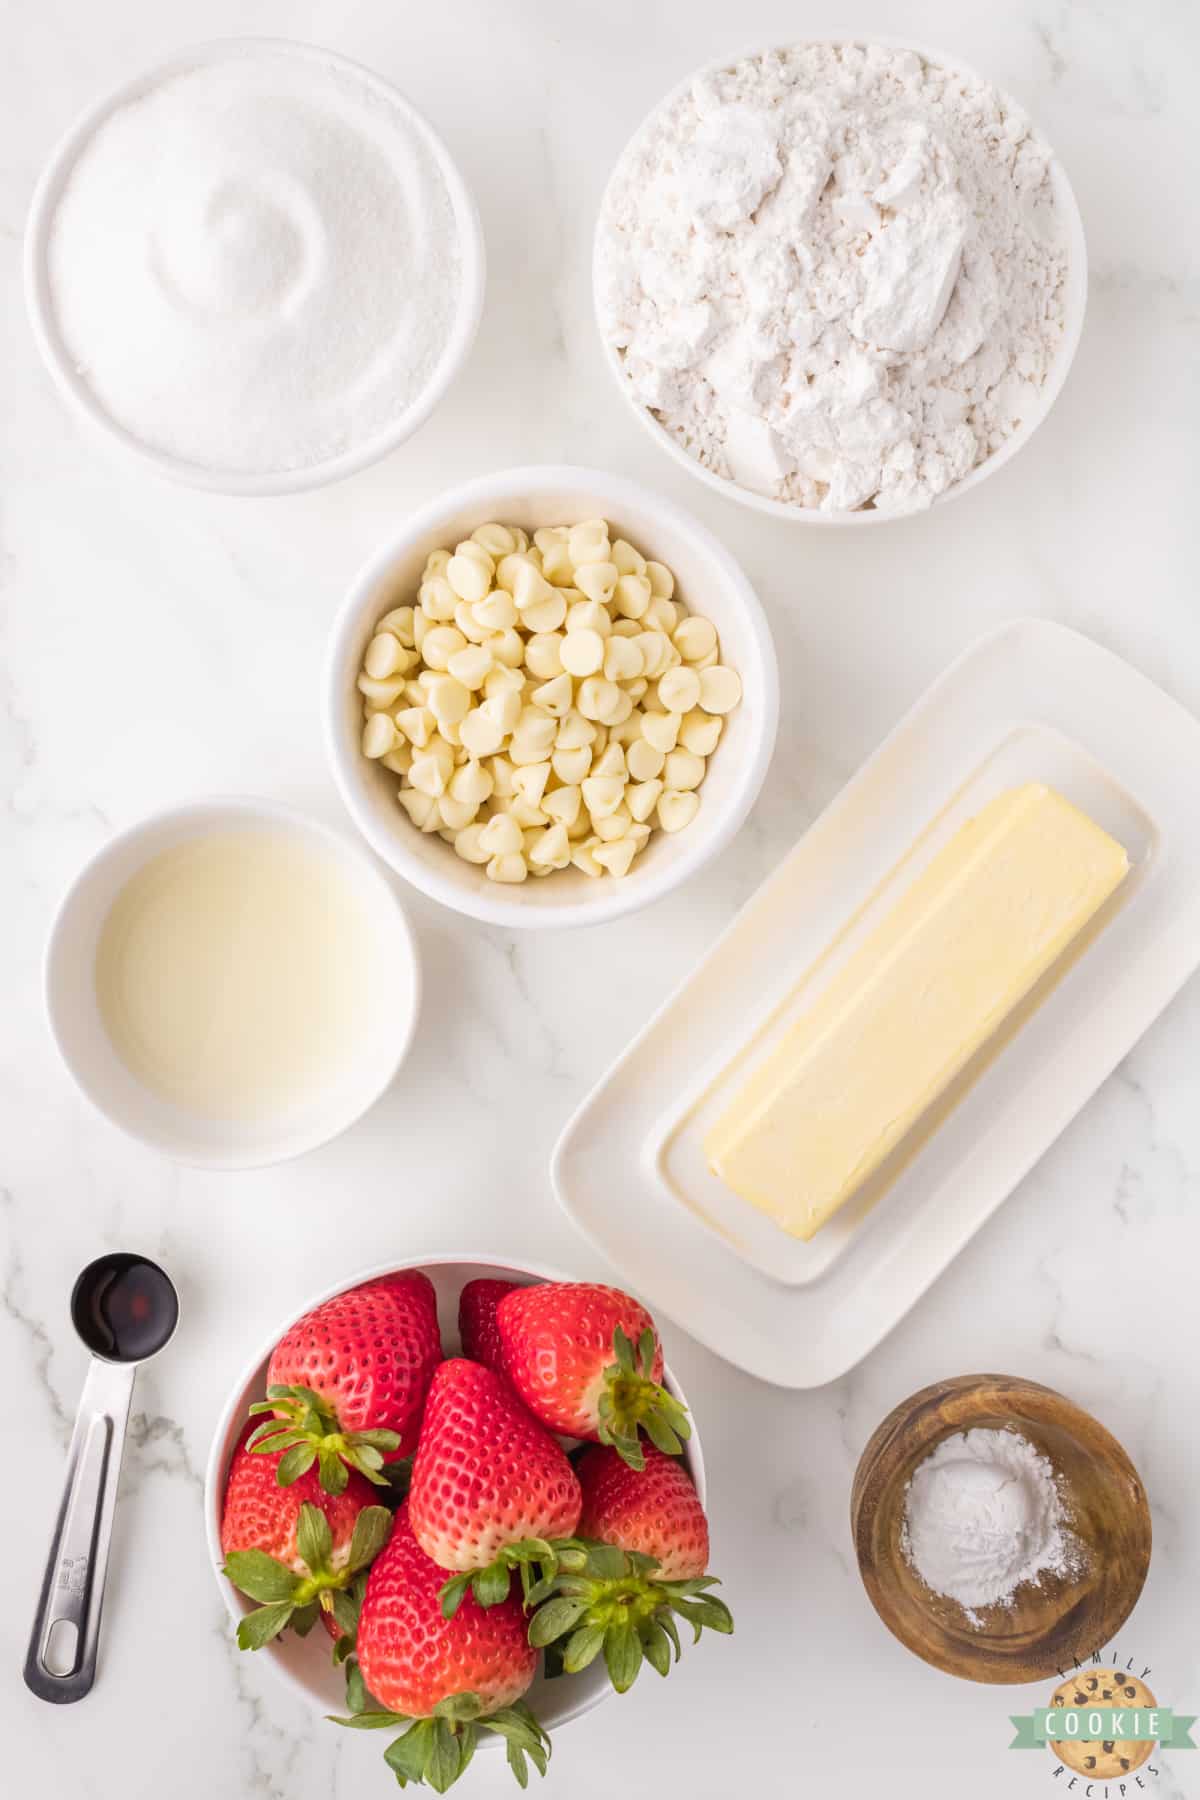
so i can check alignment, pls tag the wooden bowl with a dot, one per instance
(1048, 1625)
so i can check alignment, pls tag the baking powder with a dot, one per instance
(835, 273)
(255, 265)
(984, 1514)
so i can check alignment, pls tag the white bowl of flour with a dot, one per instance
(256, 266)
(839, 281)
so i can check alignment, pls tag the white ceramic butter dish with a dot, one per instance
(1032, 702)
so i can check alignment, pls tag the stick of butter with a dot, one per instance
(991, 912)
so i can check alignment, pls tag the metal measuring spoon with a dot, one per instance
(125, 1309)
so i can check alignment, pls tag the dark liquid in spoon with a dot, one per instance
(124, 1308)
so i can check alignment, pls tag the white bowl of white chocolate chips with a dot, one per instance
(551, 698)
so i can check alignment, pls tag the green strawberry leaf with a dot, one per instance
(459, 1708)
(255, 1573)
(582, 1648)
(656, 1647)
(294, 1463)
(622, 1655)
(344, 1605)
(265, 1623)
(304, 1618)
(331, 1470)
(314, 1540)
(406, 1756)
(554, 1620)
(371, 1531)
(490, 1585)
(368, 1721)
(453, 1594)
(444, 1764)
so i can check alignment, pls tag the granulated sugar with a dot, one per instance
(255, 265)
(835, 273)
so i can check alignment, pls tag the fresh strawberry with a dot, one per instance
(489, 1484)
(477, 1328)
(347, 1383)
(296, 1549)
(451, 1676)
(569, 1352)
(656, 1512)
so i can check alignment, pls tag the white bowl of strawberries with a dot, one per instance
(489, 1542)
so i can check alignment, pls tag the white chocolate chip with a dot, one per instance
(631, 596)
(497, 540)
(694, 637)
(622, 659)
(449, 700)
(471, 666)
(675, 810)
(583, 857)
(511, 867)
(466, 843)
(421, 808)
(610, 762)
(545, 615)
(379, 735)
(501, 836)
(683, 771)
(563, 805)
(662, 730)
(385, 656)
(662, 582)
(456, 814)
(602, 794)
(418, 725)
(597, 698)
(700, 733)
(628, 560)
(582, 652)
(575, 731)
(471, 784)
(720, 689)
(470, 575)
(642, 797)
(679, 690)
(437, 599)
(552, 849)
(497, 612)
(616, 857)
(589, 615)
(543, 655)
(555, 695)
(597, 580)
(440, 644)
(380, 693)
(400, 623)
(616, 825)
(643, 760)
(530, 782)
(481, 733)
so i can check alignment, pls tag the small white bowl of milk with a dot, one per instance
(231, 982)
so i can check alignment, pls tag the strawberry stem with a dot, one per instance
(607, 1600)
(435, 1751)
(633, 1399)
(289, 1598)
(304, 1426)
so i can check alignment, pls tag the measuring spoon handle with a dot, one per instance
(61, 1661)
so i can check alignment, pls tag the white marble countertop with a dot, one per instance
(160, 643)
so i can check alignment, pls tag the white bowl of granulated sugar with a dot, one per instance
(255, 266)
(839, 281)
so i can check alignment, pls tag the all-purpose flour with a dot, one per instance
(255, 265)
(835, 273)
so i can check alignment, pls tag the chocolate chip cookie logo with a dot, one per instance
(1102, 1726)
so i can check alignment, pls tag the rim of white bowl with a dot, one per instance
(233, 1410)
(629, 895)
(40, 306)
(1075, 300)
(272, 812)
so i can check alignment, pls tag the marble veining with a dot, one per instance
(157, 643)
